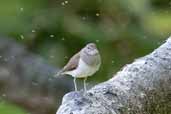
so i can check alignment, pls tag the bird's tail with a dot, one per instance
(59, 73)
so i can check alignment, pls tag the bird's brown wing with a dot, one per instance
(73, 63)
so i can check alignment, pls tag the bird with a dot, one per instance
(83, 64)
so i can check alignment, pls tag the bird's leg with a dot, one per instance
(85, 79)
(75, 84)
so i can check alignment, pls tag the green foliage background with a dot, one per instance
(56, 29)
(8, 108)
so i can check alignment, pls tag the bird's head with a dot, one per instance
(91, 49)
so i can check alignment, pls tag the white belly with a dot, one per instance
(83, 70)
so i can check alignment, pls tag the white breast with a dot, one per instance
(83, 70)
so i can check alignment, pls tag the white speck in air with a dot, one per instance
(66, 2)
(97, 14)
(63, 3)
(145, 37)
(52, 36)
(21, 9)
(12, 57)
(50, 79)
(5, 59)
(83, 18)
(63, 39)
(52, 56)
(33, 31)
(4, 95)
(22, 37)
(97, 41)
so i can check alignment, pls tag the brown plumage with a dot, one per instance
(73, 63)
